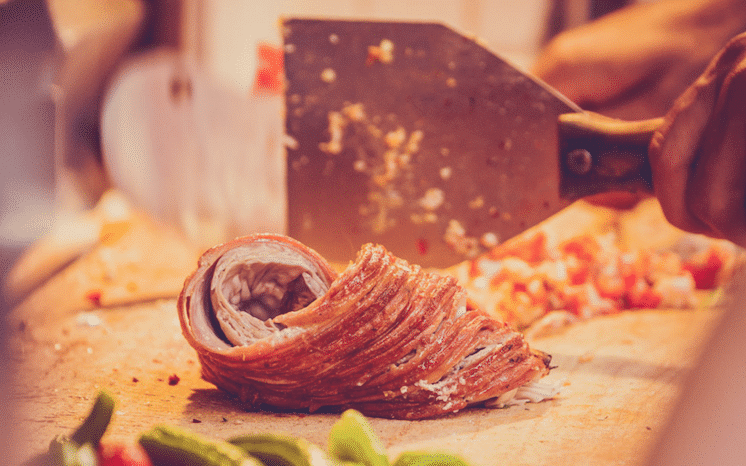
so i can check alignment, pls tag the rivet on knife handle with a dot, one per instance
(600, 154)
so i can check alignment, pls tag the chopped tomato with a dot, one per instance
(532, 249)
(589, 276)
(510, 269)
(584, 301)
(705, 268)
(537, 290)
(270, 70)
(122, 454)
(474, 270)
(665, 263)
(611, 286)
(632, 267)
(643, 296)
(577, 271)
(585, 248)
(553, 272)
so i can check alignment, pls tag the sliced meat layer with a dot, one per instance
(275, 325)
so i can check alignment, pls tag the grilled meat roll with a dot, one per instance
(274, 324)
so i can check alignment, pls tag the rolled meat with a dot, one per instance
(274, 324)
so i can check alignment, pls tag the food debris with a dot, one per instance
(337, 123)
(422, 246)
(382, 53)
(387, 162)
(422, 218)
(389, 151)
(88, 319)
(489, 240)
(433, 198)
(111, 232)
(395, 138)
(360, 165)
(476, 203)
(355, 112)
(413, 144)
(94, 296)
(456, 237)
(328, 75)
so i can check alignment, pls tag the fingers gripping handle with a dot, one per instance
(600, 154)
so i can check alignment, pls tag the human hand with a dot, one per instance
(633, 63)
(698, 156)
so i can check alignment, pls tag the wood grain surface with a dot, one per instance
(620, 376)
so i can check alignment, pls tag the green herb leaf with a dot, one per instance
(352, 439)
(94, 426)
(429, 459)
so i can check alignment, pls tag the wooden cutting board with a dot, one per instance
(620, 375)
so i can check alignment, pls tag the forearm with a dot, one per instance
(634, 62)
(710, 21)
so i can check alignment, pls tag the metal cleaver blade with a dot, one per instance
(414, 136)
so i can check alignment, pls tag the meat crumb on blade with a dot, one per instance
(275, 325)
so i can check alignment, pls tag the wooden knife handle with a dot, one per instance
(601, 154)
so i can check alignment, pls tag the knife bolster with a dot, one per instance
(601, 154)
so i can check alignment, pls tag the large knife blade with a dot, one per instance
(419, 138)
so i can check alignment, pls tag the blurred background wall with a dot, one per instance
(222, 35)
(36, 60)
(26, 124)
(515, 29)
